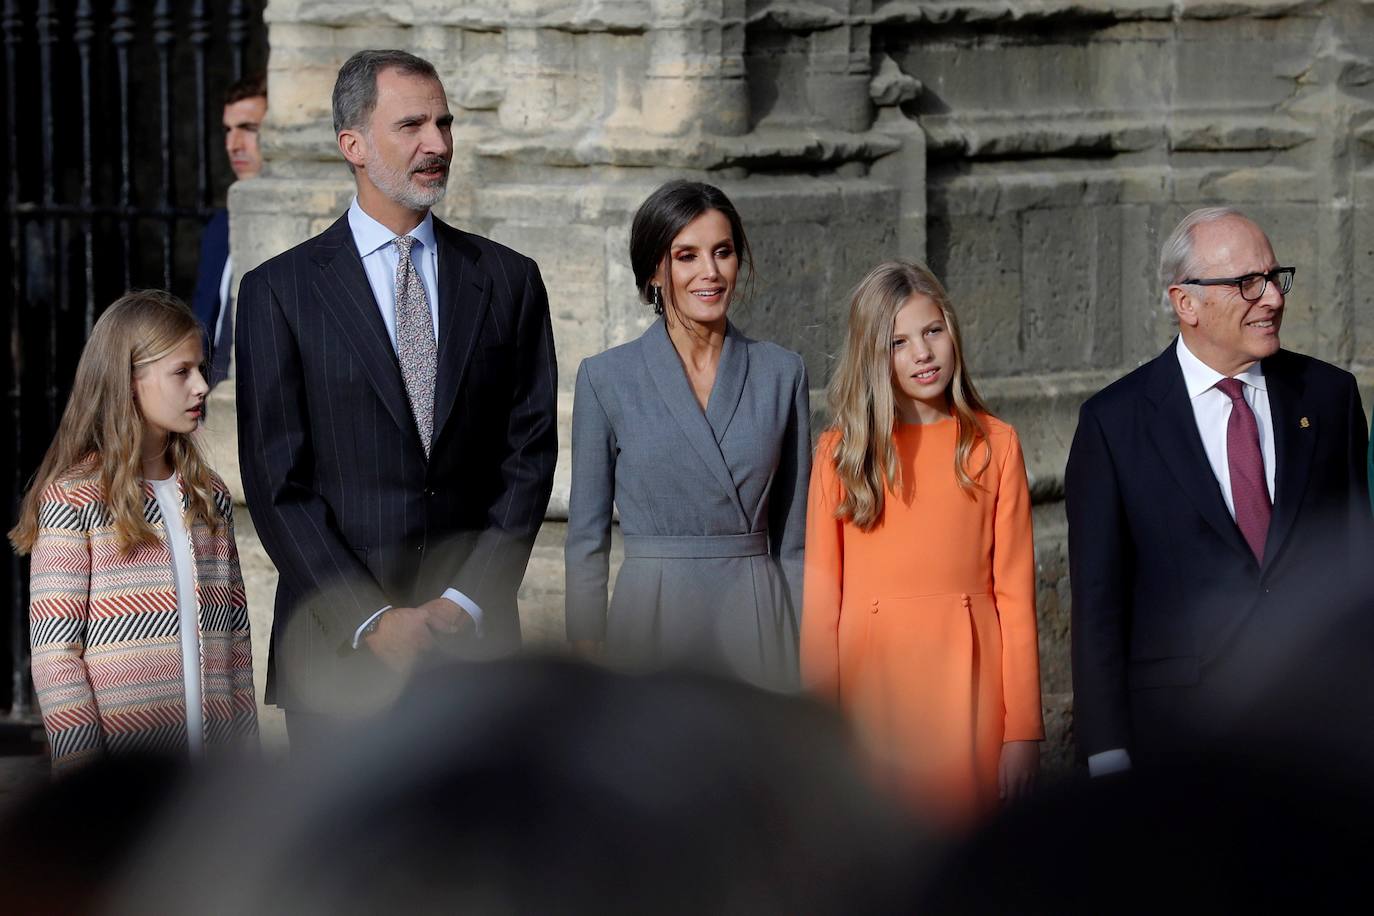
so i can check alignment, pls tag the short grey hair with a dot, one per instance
(1176, 256)
(355, 89)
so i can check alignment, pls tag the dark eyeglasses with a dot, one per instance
(1252, 286)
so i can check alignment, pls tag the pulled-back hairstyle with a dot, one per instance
(664, 214)
(102, 427)
(862, 401)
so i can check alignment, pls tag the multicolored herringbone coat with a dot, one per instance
(105, 631)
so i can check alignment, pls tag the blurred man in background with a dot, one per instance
(245, 107)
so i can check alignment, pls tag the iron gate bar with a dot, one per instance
(238, 35)
(76, 211)
(200, 39)
(20, 701)
(162, 38)
(84, 33)
(47, 37)
(121, 35)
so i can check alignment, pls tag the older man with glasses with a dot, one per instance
(1218, 508)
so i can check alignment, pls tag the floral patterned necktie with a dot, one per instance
(416, 347)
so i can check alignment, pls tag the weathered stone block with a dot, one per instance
(1052, 598)
(1044, 409)
(801, 301)
(270, 215)
(570, 260)
(1070, 288)
(978, 259)
(1362, 273)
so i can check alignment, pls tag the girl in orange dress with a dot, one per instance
(919, 590)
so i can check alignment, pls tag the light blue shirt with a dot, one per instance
(380, 259)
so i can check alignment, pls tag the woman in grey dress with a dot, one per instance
(701, 437)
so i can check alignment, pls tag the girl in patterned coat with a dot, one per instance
(137, 617)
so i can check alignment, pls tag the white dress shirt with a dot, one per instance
(226, 277)
(380, 258)
(1212, 412)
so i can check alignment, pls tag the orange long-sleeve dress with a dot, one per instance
(923, 629)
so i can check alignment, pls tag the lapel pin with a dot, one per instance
(1304, 423)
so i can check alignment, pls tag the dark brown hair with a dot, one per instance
(253, 86)
(664, 214)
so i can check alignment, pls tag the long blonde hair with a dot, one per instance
(861, 399)
(102, 428)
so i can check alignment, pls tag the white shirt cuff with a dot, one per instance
(358, 633)
(467, 604)
(1108, 762)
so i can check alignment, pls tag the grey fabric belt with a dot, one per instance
(722, 545)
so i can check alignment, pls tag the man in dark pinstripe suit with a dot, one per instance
(396, 405)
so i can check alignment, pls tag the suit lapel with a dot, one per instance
(1174, 433)
(344, 292)
(1293, 445)
(729, 386)
(665, 368)
(464, 299)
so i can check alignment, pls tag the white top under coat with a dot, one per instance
(183, 576)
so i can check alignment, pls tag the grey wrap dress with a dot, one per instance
(712, 508)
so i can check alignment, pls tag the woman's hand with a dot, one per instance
(1018, 769)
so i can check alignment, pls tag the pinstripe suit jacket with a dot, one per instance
(351, 512)
(106, 633)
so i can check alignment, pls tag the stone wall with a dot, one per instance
(1034, 150)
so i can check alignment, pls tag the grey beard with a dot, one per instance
(396, 185)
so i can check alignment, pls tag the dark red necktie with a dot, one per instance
(1249, 492)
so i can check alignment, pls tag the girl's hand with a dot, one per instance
(1018, 769)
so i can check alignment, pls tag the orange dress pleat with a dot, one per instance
(923, 629)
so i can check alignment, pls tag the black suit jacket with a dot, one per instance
(1171, 610)
(338, 486)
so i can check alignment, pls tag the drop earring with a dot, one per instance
(656, 299)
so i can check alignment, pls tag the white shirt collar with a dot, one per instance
(1200, 377)
(369, 235)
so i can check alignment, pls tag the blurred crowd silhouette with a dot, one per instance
(546, 785)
